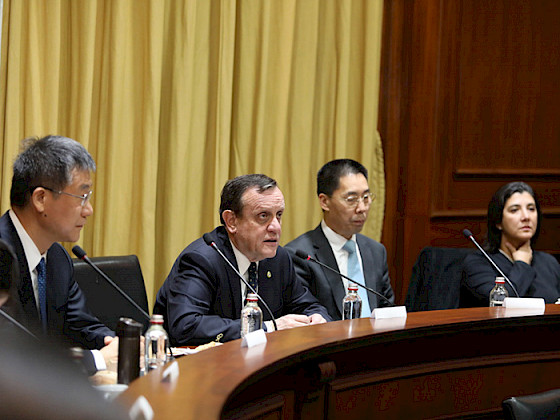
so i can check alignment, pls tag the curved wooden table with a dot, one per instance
(448, 364)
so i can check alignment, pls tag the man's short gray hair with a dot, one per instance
(48, 162)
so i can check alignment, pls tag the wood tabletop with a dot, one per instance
(210, 379)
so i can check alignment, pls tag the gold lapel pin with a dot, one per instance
(268, 274)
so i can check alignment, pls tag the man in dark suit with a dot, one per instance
(202, 297)
(345, 197)
(36, 381)
(51, 187)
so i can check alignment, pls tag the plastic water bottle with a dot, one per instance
(352, 303)
(157, 344)
(251, 315)
(498, 293)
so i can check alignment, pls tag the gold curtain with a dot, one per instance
(172, 98)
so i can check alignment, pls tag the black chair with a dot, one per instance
(103, 300)
(436, 279)
(542, 406)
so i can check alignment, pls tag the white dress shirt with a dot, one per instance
(243, 264)
(336, 242)
(32, 254)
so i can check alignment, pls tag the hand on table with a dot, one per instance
(293, 321)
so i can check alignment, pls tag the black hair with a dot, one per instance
(496, 212)
(328, 177)
(232, 193)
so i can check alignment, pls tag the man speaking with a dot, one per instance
(202, 297)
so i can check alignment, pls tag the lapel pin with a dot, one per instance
(268, 274)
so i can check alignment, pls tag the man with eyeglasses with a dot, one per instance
(49, 197)
(345, 198)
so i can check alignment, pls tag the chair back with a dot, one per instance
(436, 279)
(103, 300)
(542, 406)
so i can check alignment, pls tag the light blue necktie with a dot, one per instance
(42, 288)
(355, 272)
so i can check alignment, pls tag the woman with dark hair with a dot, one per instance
(514, 218)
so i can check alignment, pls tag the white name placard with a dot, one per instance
(254, 338)
(389, 312)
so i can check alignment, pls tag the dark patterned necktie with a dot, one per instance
(42, 289)
(253, 277)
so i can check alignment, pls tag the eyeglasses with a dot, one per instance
(85, 198)
(353, 200)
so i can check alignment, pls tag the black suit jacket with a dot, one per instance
(328, 286)
(68, 317)
(201, 297)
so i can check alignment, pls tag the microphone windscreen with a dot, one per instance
(79, 252)
(301, 254)
(207, 238)
(467, 233)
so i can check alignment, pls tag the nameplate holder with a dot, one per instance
(389, 312)
(141, 409)
(524, 303)
(171, 372)
(254, 338)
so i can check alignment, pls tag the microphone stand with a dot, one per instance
(208, 239)
(469, 235)
(307, 257)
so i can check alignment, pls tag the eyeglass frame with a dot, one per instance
(85, 198)
(348, 200)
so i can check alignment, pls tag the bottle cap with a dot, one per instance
(252, 297)
(500, 280)
(352, 286)
(156, 319)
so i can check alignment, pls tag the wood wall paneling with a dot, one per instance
(468, 102)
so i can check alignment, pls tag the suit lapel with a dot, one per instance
(234, 281)
(324, 254)
(56, 296)
(23, 284)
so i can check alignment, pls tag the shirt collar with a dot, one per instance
(337, 241)
(31, 251)
(243, 262)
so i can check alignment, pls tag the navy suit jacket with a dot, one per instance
(201, 297)
(68, 317)
(328, 286)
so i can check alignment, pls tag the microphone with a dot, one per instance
(468, 234)
(305, 256)
(17, 324)
(208, 239)
(81, 254)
